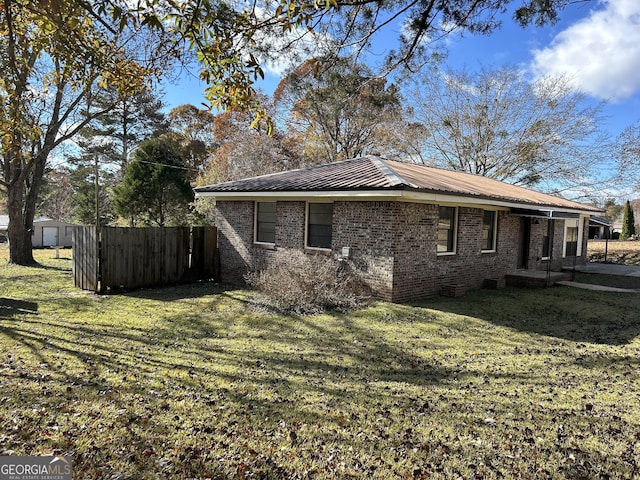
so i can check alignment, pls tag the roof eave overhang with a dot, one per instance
(302, 194)
(406, 195)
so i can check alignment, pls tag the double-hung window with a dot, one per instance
(319, 225)
(489, 228)
(571, 241)
(265, 230)
(447, 230)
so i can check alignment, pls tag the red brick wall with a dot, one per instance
(393, 245)
(369, 230)
(539, 229)
(235, 240)
(238, 254)
(420, 272)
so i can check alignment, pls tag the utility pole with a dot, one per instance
(96, 175)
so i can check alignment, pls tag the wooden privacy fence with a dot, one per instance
(143, 257)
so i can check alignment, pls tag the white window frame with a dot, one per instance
(306, 228)
(573, 223)
(455, 231)
(544, 234)
(255, 224)
(494, 227)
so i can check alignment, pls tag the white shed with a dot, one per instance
(51, 233)
(46, 232)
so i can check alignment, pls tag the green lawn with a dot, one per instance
(195, 382)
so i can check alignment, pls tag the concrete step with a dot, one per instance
(535, 278)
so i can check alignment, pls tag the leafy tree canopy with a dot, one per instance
(155, 188)
(53, 56)
(192, 129)
(339, 112)
(612, 211)
(233, 40)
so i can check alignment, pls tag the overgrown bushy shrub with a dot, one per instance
(301, 283)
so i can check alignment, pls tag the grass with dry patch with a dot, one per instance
(614, 251)
(191, 382)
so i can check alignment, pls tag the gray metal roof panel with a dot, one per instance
(375, 173)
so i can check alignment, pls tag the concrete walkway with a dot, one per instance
(606, 269)
(599, 288)
(609, 269)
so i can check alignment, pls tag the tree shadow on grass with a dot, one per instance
(581, 316)
(10, 307)
(42, 266)
(178, 339)
(239, 372)
(177, 292)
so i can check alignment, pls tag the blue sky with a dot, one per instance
(596, 42)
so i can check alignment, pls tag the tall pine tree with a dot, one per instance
(628, 222)
(105, 146)
(91, 175)
(134, 119)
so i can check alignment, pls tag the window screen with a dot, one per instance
(266, 222)
(446, 230)
(489, 230)
(320, 222)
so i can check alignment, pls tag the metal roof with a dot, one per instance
(356, 174)
(599, 221)
(373, 173)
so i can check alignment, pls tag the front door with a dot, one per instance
(525, 241)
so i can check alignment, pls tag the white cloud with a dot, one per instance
(601, 52)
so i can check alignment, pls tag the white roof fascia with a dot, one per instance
(399, 195)
(337, 194)
(446, 199)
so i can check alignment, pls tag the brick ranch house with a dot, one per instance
(410, 230)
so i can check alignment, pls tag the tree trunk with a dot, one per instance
(22, 196)
(20, 228)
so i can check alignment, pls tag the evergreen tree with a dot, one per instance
(92, 168)
(85, 208)
(134, 119)
(628, 222)
(104, 148)
(155, 189)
